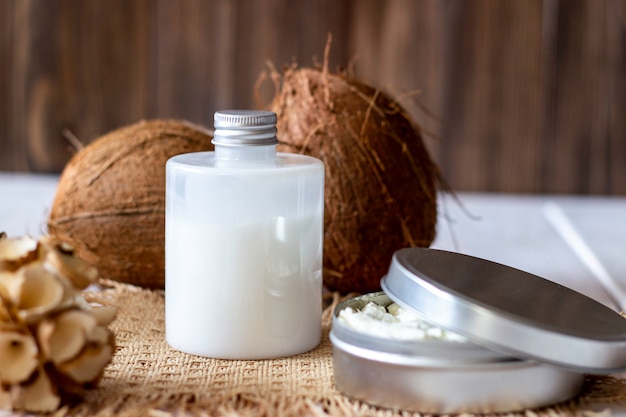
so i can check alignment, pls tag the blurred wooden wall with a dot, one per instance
(522, 95)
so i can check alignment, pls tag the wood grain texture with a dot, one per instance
(80, 66)
(8, 147)
(589, 92)
(519, 96)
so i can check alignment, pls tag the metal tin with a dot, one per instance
(531, 340)
(440, 376)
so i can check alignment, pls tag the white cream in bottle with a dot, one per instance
(243, 245)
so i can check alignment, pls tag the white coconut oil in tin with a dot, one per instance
(244, 234)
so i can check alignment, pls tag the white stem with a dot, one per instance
(559, 220)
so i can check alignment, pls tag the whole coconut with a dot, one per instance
(380, 192)
(110, 201)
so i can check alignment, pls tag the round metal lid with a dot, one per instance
(508, 310)
(244, 128)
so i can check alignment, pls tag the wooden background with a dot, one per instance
(522, 95)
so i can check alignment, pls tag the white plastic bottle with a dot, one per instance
(243, 245)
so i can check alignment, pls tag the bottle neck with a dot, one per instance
(245, 155)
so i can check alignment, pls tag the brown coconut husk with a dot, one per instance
(381, 183)
(110, 201)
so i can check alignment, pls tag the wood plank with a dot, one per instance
(494, 96)
(35, 89)
(211, 54)
(78, 66)
(520, 86)
(9, 149)
(195, 57)
(105, 62)
(528, 96)
(616, 85)
(400, 47)
(589, 96)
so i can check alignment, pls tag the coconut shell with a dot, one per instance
(110, 200)
(380, 192)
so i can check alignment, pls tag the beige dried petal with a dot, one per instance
(5, 316)
(104, 314)
(5, 396)
(63, 337)
(40, 396)
(70, 266)
(89, 365)
(100, 335)
(5, 298)
(15, 252)
(48, 242)
(9, 285)
(18, 356)
(5, 277)
(37, 290)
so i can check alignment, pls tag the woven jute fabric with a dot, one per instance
(147, 377)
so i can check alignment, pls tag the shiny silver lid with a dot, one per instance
(244, 128)
(508, 310)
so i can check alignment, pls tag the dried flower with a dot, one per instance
(15, 252)
(40, 395)
(52, 342)
(18, 356)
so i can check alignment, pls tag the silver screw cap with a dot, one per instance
(244, 128)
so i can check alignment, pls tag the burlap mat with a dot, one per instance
(147, 377)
